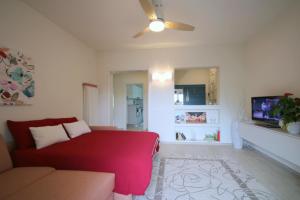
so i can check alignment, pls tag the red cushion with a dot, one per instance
(21, 133)
(57, 121)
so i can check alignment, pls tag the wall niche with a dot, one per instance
(196, 86)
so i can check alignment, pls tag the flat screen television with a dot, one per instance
(261, 107)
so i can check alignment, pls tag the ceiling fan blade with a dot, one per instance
(179, 26)
(148, 9)
(141, 33)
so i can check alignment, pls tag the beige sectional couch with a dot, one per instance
(45, 183)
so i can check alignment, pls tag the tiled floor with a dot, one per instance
(276, 178)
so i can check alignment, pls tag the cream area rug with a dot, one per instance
(202, 179)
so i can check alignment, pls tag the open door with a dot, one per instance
(135, 107)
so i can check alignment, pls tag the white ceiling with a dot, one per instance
(110, 24)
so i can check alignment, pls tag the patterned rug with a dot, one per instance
(202, 179)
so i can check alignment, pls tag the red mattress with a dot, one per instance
(127, 154)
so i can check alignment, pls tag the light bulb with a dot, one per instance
(157, 25)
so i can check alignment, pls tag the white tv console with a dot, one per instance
(273, 142)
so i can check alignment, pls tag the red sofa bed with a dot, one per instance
(127, 154)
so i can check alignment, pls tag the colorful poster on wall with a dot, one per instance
(16, 78)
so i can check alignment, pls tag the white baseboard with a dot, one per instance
(195, 143)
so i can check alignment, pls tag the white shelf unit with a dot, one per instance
(195, 132)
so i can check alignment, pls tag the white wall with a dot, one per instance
(273, 58)
(161, 101)
(120, 95)
(230, 59)
(62, 62)
(192, 76)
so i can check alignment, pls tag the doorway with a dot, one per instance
(135, 107)
(130, 100)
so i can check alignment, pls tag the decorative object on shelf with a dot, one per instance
(16, 78)
(281, 124)
(178, 97)
(210, 137)
(195, 117)
(293, 128)
(212, 86)
(213, 137)
(179, 119)
(180, 136)
(288, 108)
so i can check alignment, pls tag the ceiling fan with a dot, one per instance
(156, 20)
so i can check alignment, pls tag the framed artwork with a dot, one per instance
(195, 117)
(190, 117)
(16, 78)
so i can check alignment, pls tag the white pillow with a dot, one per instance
(75, 129)
(47, 135)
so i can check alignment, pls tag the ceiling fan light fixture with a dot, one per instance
(157, 25)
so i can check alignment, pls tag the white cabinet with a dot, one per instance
(276, 143)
